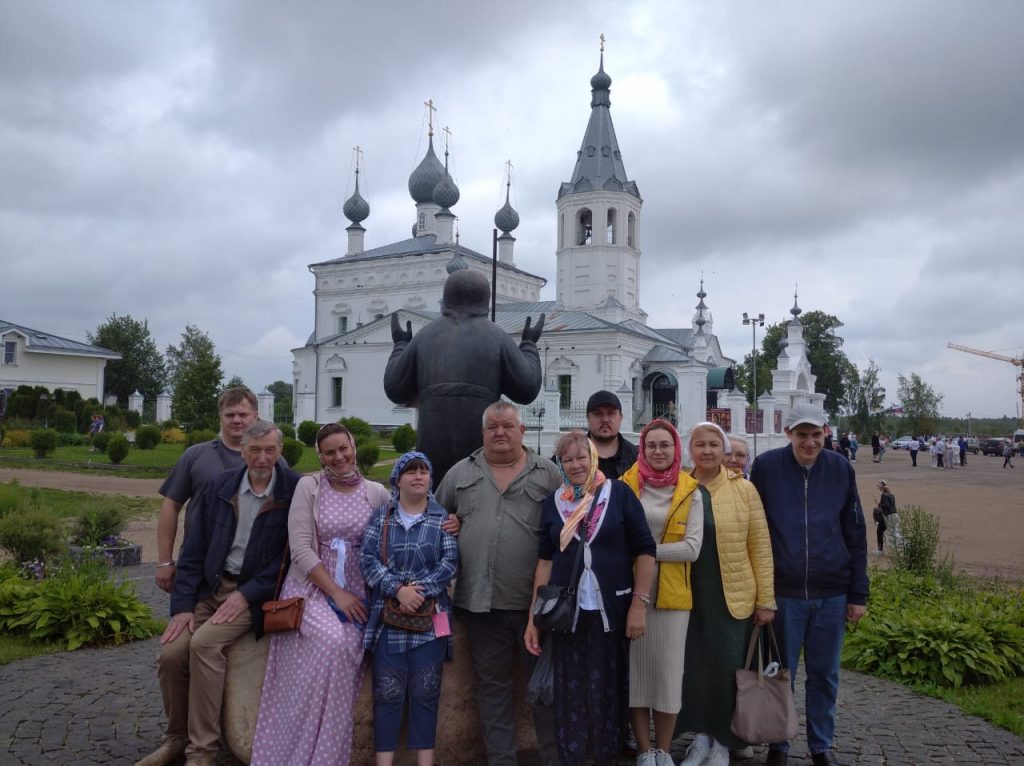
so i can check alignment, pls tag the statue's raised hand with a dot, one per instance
(533, 333)
(398, 335)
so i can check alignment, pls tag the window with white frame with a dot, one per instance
(10, 352)
(337, 392)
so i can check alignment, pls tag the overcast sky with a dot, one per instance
(184, 162)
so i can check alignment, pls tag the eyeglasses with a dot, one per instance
(659, 446)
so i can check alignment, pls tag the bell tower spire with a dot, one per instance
(598, 250)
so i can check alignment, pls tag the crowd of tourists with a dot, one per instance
(665, 555)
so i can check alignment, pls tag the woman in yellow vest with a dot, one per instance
(732, 583)
(675, 513)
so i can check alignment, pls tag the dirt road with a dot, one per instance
(980, 507)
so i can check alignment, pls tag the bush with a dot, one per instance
(133, 419)
(117, 448)
(18, 437)
(32, 534)
(72, 440)
(147, 437)
(307, 432)
(291, 451)
(920, 542)
(366, 456)
(921, 630)
(404, 438)
(172, 436)
(78, 606)
(44, 441)
(97, 523)
(101, 440)
(287, 430)
(360, 429)
(64, 421)
(198, 436)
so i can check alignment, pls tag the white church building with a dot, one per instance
(595, 336)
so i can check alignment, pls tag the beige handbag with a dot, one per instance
(765, 711)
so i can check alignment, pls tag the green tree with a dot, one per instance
(141, 367)
(824, 351)
(283, 410)
(920, 404)
(196, 375)
(865, 400)
(235, 382)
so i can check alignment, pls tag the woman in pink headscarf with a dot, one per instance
(675, 514)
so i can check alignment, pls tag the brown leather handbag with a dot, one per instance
(282, 615)
(420, 621)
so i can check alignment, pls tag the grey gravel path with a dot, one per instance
(103, 706)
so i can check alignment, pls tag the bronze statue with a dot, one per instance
(456, 366)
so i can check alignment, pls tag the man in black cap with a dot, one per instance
(604, 418)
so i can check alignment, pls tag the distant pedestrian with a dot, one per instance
(854, 446)
(1007, 455)
(887, 519)
(876, 447)
(962, 444)
(914, 447)
(940, 451)
(951, 452)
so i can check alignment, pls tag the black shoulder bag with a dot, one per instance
(555, 605)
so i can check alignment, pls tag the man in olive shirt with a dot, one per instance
(496, 492)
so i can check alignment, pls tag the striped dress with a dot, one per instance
(656, 659)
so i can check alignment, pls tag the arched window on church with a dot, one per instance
(584, 227)
(609, 234)
(631, 230)
(422, 221)
(561, 230)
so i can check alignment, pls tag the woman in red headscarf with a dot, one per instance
(675, 514)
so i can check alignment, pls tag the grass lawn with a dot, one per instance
(1000, 704)
(143, 464)
(66, 504)
(19, 648)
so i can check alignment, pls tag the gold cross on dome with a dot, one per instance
(429, 103)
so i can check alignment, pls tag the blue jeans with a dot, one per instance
(817, 626)
(414, 675)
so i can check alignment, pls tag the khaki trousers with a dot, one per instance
(191, 670)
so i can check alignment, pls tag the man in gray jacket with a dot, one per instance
(496, 493)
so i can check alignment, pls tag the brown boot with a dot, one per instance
(170, 751)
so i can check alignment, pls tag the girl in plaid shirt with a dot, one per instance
(418, 562)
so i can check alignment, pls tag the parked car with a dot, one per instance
(902, 443)
(973, 445)
(993, 446)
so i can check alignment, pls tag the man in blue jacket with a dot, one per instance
(227, 568)
(819, 546)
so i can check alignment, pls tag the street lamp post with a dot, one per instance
(754, 323)
(539, 411)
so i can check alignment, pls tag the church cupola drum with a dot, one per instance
(598, 251)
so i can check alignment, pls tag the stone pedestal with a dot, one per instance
(458, 725)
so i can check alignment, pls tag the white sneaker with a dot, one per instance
(661, 758)
(696, 754)
(648, 759)
(719, 757)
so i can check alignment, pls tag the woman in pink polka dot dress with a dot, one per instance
(314, 674)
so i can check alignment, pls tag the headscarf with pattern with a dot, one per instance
(647, 475)
(399, 469)
(584, 493)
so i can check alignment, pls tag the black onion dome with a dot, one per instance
(426, 176)
(356, 208)
(446, 193)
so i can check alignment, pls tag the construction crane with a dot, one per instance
(1016, 362)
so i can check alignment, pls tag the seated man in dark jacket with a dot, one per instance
(227, 568)
(819, 546)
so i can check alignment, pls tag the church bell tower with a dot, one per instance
(598, 251)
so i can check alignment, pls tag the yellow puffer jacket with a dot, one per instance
(674, 590)
(744, 547)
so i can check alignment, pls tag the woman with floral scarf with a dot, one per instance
(590, 662)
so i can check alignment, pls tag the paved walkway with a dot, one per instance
(103, 706)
